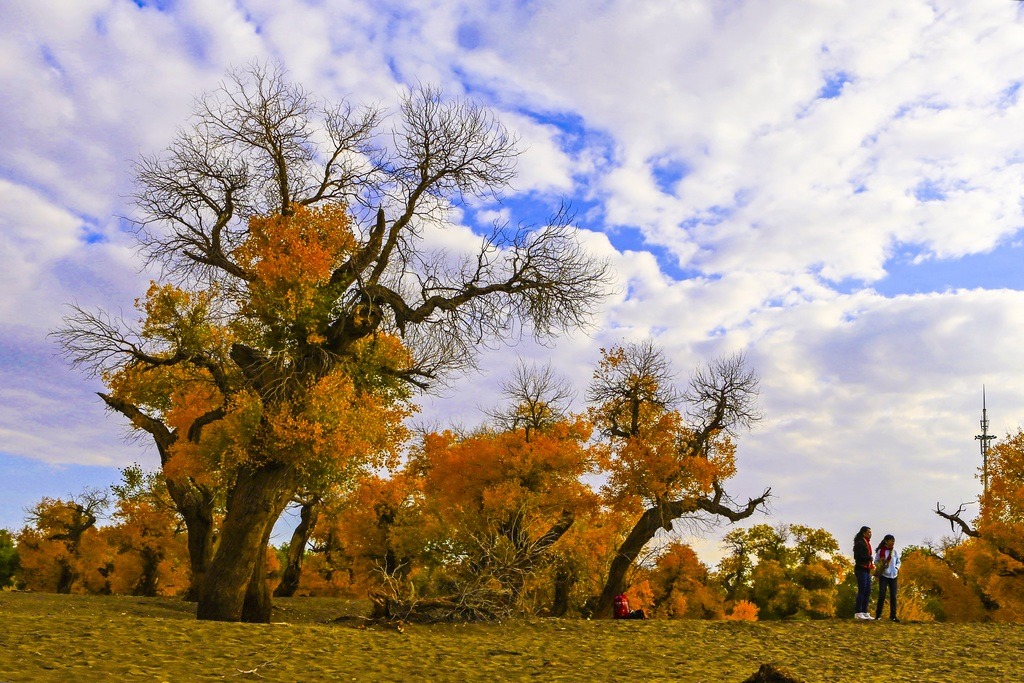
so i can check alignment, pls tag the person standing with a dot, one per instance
(862, 566)
(888, 562)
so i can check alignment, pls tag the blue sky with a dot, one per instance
(836, 194)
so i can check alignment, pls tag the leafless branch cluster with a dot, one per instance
(449, 148)
(543, 278)
(956, 520)
(260, 145)
(488, 575)
(252, 148)
(472, 600)
(641, 376)
(535, 398)
(98, 342)
(723, 395)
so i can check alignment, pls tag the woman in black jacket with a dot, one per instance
(863, 564)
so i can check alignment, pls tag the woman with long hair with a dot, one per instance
(862, 566)
(888, 562)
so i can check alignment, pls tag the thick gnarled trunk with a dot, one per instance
(234, 587)
(258, 606)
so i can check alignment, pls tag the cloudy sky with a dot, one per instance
(833, 188)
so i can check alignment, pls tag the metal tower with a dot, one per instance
(984, 438)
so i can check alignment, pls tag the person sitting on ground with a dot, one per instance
(622, 610)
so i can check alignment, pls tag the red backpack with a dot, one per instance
(621, 607)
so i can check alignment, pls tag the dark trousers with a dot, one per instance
(885, 583)
(863, 589)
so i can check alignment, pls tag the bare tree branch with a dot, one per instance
(955, 520)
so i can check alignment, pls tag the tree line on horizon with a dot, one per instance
(303, 306)
(437, 559)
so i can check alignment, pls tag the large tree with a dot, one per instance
(303, 299)
(664, 463)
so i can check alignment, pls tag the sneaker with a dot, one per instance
(859, 615)
(868, 617)
(895, 619)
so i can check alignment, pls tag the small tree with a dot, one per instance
(682, 587)
(665, 465)
(786, 570)
(8, 558)
(496, 503)
(149, 536)
(936, 575)
(53, 539)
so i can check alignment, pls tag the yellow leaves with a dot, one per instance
(224, 444)
(189, 402)
(305, 246)
(743, 610)
(291, 259)
(182, 320)
(659, 463)
(945, 595)
(374, 364)
(333, 426)
(479, 481)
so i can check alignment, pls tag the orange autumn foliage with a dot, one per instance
(503, 511)
(60, 550)
(743, 610)
(946, 595)
(292, 258)
(993, 560)
(329, 418)
(367, 537)
(501, 472)
(649, 456)
(681, 586)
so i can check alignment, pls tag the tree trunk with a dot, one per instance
(565, 579)
(66, 579)
(195, 505)
(643, 531)
(308, 515)
(257, 606)
(254, 503)
(146, 586)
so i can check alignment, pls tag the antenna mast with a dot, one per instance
(984, 438)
